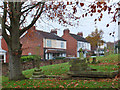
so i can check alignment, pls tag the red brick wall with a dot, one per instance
(71, 44)
(30, 44)
(4, 47)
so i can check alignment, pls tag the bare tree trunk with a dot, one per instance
(97, 52)
(14, 11)
(15, 67)
(15, 52)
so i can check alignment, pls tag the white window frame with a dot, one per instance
(49, 43)
(62, 44)
(4, 54)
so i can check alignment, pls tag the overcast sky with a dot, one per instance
(86, 25)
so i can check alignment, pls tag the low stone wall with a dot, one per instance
(31, 64)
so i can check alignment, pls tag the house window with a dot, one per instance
(88, 45)
(79, 45)
(62, 44)
(49, 43)
(82, 45)
(29, 53)
(1, 58)
(85, 45)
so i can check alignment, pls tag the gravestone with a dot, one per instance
(81, 53)
(88, 60)
(94, 61)
(105, 51)
(37, 71)
(78, 65)
(80, 69)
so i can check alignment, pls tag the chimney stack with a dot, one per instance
(80, 34)
(66, 31)
(54, 31)
(33, 28)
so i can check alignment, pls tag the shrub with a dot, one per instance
(59, 58)
(29, 58)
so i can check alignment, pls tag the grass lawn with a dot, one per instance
(108, 63)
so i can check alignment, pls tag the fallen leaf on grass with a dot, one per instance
(61, 86)
(68, 85)
(76, 84)
(24, 84)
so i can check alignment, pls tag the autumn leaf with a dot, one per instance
(67, 3)
(99, 19)
(61, 86)
(99, 11)
(24, 84)
(86, 14)
(109, 9)
(77, 3)
(95, 20)
(91, 14)
(107, 25)
(81, 4)
(76, 84)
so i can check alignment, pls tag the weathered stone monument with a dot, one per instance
(80, 69)
(105, 51)
(94, 60)
(37, 71)
(88, 60)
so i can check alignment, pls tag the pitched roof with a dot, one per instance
(79, 38)
(50, 35)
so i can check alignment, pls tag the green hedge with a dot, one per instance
(29, 58)
(59, 58)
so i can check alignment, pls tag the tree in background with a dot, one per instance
(95, 38)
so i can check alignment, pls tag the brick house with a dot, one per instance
(75, 43)
(47, 45)
(3, 50)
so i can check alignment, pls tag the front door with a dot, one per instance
(2, 58)
(56, 54)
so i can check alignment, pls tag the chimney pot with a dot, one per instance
(66, 31)
(33, 28)
(53, 31)
(80, 34)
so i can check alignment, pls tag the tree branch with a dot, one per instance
(33, 21)
(4, 33)
(26, 6)
(24, 16)
(32, 7)
(7, 27)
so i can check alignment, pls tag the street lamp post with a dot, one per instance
(113, 35)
